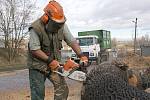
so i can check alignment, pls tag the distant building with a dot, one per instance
(145, 50)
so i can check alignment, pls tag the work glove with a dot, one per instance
(53, 65)
(83, 63)
(64, 70)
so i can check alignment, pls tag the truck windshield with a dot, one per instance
(85, 41)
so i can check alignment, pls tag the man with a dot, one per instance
(45, 43)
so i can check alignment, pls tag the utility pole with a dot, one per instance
(135, 35)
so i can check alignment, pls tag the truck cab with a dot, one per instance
(89, 46)
(95, 45)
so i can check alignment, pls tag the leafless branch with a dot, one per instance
(14, 16)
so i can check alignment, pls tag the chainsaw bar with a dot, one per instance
(78, 76)
(74, 74)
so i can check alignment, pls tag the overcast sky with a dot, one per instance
(113, 15)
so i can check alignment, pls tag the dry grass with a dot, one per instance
(19, 59)
(137, 61)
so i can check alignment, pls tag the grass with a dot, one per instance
(12, 67)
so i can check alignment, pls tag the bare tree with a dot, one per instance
(14, 21)
(144, 40)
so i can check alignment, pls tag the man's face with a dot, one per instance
(53, 26)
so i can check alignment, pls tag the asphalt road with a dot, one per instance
(20, 80)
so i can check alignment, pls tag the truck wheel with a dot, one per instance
(98, 61)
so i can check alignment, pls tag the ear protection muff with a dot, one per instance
(45, 18)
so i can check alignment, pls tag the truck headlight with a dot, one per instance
(91, 54)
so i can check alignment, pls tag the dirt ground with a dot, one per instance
(15, 86)
(24, 94)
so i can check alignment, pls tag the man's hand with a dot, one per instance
(84, 60)
(53, 65)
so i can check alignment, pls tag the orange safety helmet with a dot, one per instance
(54, 11)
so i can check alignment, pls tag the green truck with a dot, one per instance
(94, 44)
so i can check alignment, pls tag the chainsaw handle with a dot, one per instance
(61, 64)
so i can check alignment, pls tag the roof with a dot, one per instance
(87, 36)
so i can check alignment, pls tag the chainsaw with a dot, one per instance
(72, 70)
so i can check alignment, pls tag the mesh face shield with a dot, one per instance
(53, 26)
